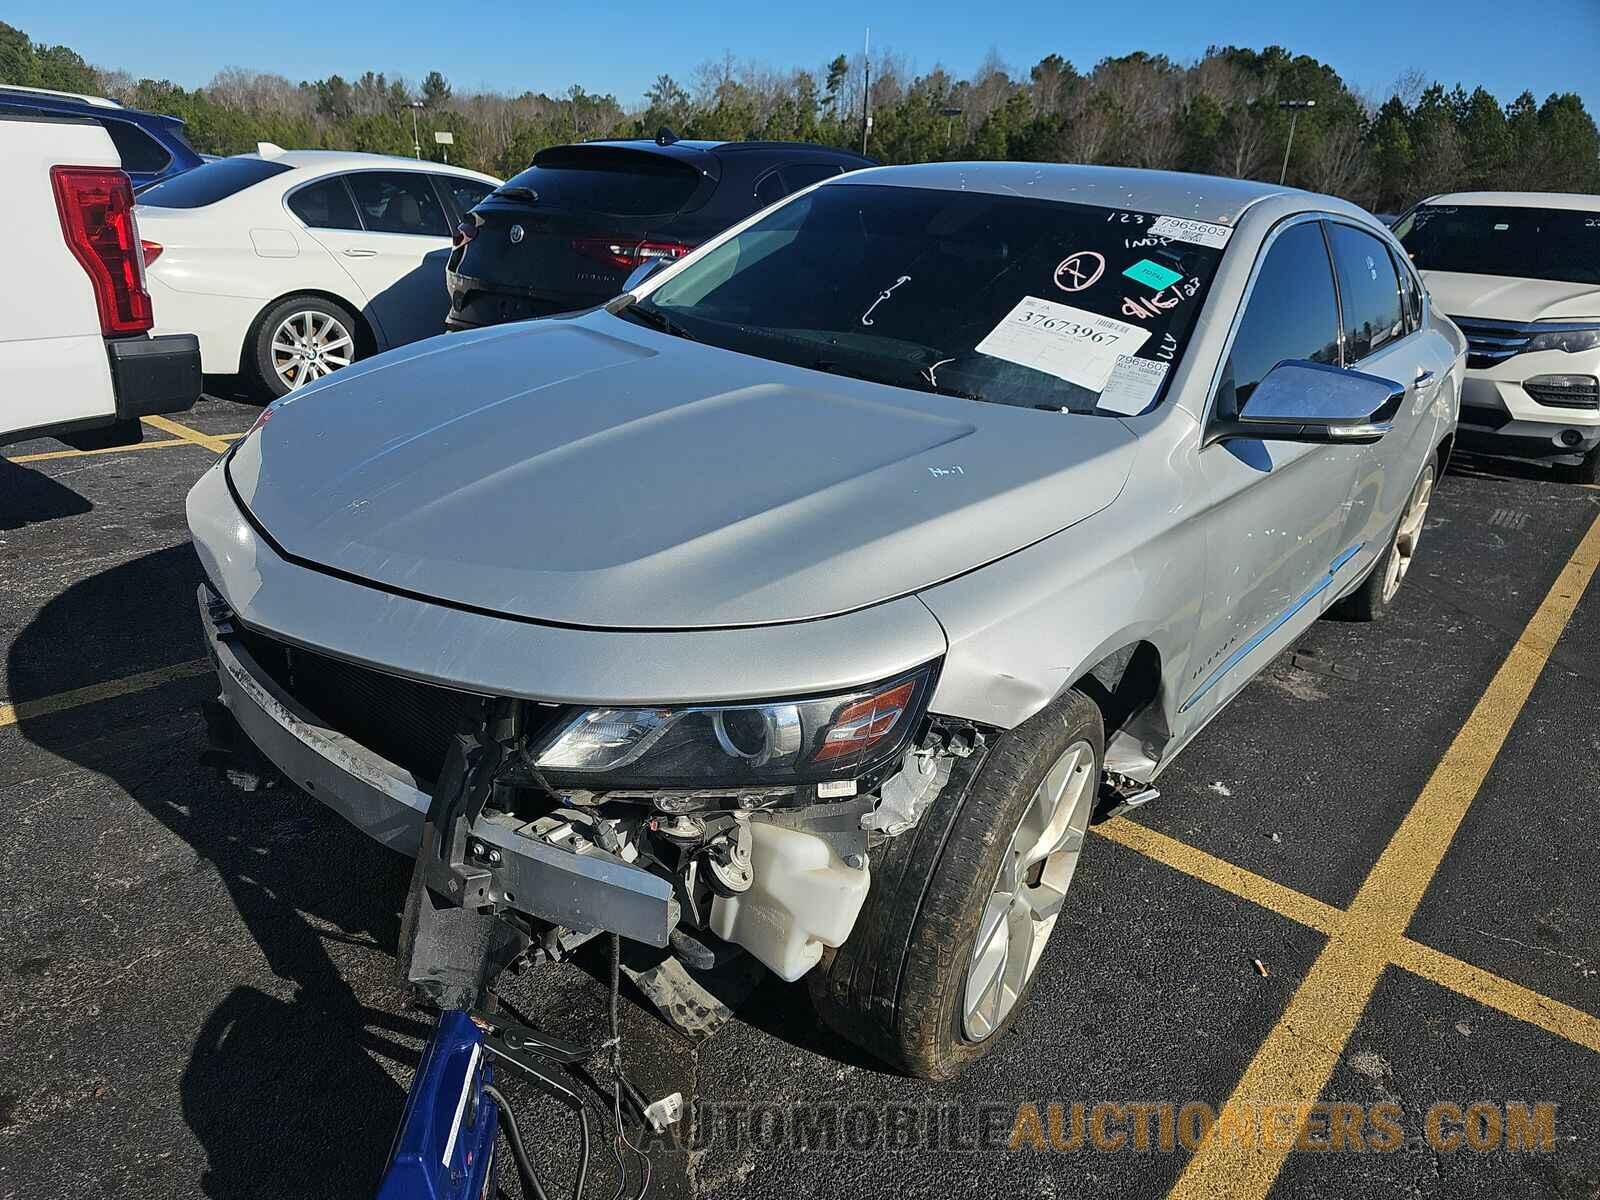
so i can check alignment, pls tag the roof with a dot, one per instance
(323, 160)
(703, 146)
(1170, 193)
(94, 101)
(1568, 200)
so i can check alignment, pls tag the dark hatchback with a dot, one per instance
(567, 232)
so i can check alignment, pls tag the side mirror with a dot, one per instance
(642, 272)
(1301, 401)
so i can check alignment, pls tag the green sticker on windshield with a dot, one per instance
(1152, 275)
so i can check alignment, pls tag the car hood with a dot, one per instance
(1494, 297)
(589, 472)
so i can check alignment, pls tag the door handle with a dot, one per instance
(1425, 379)
(358, 253)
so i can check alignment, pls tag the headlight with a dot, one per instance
(738, 745)
(1571, 338)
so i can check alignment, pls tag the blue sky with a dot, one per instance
(1543, 45)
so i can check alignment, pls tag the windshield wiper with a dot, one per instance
(657, 319)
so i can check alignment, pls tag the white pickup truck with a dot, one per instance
(77, 361)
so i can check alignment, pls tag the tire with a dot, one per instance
(1588, 471)
(294, 327)
(899, 987)
(1371, 601)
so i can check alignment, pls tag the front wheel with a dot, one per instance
(1372, 599)
(947, 947)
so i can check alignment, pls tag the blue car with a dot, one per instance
(153, 147)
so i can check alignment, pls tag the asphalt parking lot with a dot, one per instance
(1372, 881)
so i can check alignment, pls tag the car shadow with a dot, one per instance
(1470, 465)
(28, 497)
(287, 1096)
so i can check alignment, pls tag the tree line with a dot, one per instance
(1221, 115)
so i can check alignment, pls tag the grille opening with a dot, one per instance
(406, 722)
(1557, 395)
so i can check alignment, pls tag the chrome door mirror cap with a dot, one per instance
(1302, 401)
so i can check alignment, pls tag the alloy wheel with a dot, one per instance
(309, 344)
(1029, 890)
(1407, 536)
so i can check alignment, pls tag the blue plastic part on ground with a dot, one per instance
(445, 1147)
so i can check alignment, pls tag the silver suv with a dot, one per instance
(813, 595)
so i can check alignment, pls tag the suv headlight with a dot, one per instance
(738, 745)
(1571, 338)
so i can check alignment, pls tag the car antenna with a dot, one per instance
(665, 136)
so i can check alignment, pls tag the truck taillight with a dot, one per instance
(96, 208)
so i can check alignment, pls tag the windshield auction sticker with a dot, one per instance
(1201, 233)
(1069, 343)
(1133, 384)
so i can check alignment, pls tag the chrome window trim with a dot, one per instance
(1262, 251)
(344, 176)
(1391, 244)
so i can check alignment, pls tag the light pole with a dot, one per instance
(1294, 107)
(416, 142)
(950, 115)
(866, 90)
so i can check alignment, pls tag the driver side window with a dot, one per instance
(1292, 312)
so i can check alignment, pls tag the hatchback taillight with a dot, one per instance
(625, 254)
(96, 209)
(464, 233)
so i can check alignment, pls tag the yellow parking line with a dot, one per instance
(215, 444)
(1284, 901)
(48, 455)
(1491, 990)
(23, 710)
(1297, 1058)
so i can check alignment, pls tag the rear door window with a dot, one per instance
(1368, 290)
(140, 152)
(398, 202)
(325, 205)
(1410, 292)
(609, 180)
(210, 182)
(1292, 312)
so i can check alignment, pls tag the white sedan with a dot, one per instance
(289, 264)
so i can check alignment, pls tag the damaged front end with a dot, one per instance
(542, 824)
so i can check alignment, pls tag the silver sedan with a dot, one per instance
(814, 595)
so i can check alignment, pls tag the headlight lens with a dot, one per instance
(1572, 339)
(734, 745)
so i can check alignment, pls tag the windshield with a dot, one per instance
(1005, 299)
(1523, 243)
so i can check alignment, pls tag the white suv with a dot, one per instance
(1520, 273)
